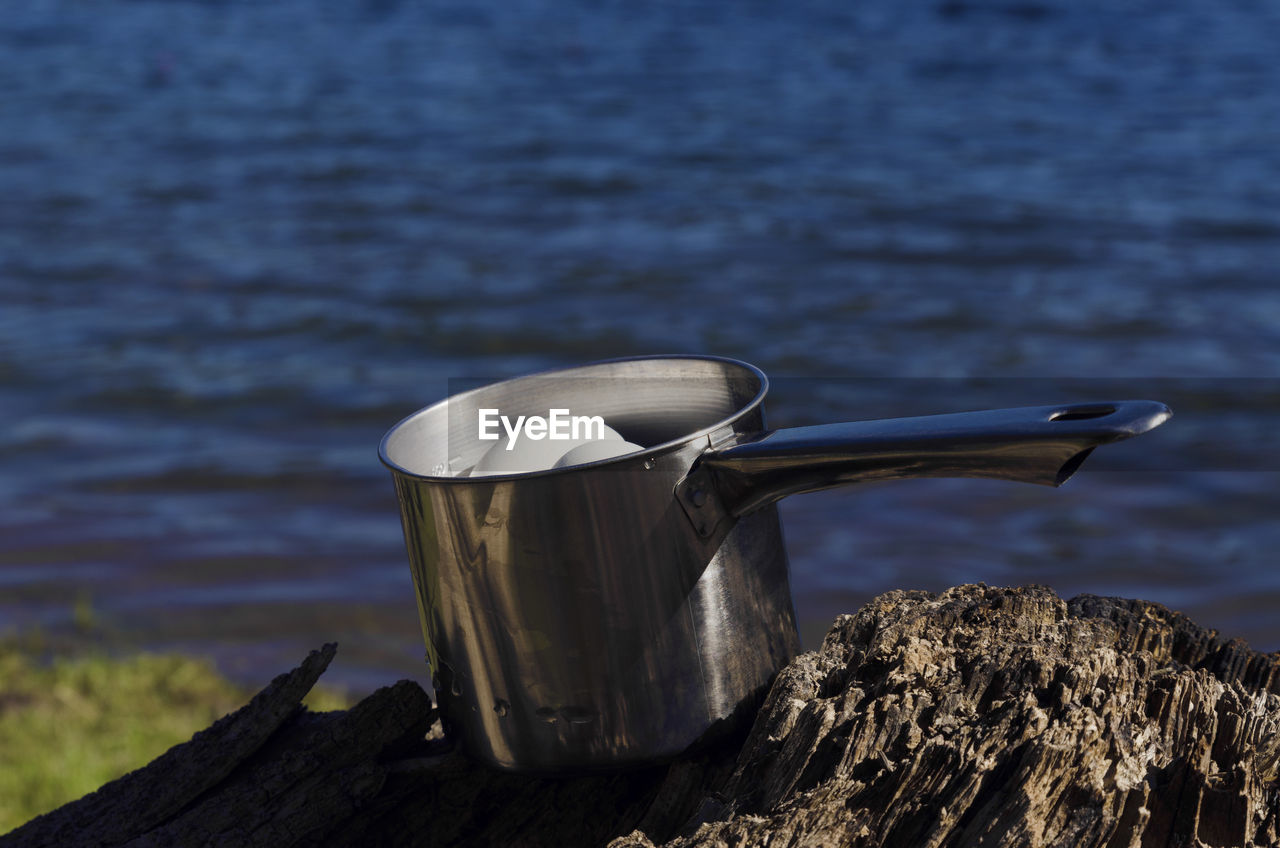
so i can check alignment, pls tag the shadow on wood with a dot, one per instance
(978, 716)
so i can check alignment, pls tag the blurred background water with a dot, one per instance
(238, 241)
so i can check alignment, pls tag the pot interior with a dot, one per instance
(656, 402)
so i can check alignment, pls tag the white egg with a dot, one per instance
(596, 450)
(535, 454)
(527, 455)
(607, 435)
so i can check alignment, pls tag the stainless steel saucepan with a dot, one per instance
(616, 612)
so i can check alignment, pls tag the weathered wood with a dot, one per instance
(1001, 717)
(978, 716)
(310, 777)
(143, 799)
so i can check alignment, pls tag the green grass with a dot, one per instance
(70, 725)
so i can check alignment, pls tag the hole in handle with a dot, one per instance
(1082, 413)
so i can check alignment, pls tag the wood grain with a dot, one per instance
(974, 717)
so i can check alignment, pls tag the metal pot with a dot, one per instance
(615, 613)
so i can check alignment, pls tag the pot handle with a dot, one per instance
(1034, 444)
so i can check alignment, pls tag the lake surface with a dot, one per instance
(238, 241)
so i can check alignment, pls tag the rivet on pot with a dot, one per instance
(577, 715)
(501, 707)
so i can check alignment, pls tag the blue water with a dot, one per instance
(238, 241)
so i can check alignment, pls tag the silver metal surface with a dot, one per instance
(615, 613)
(1033, 444)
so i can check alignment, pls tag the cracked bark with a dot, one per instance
(978, 716)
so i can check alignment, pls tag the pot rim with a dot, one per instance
(656, 450)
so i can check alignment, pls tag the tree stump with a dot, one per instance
(978, 716)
